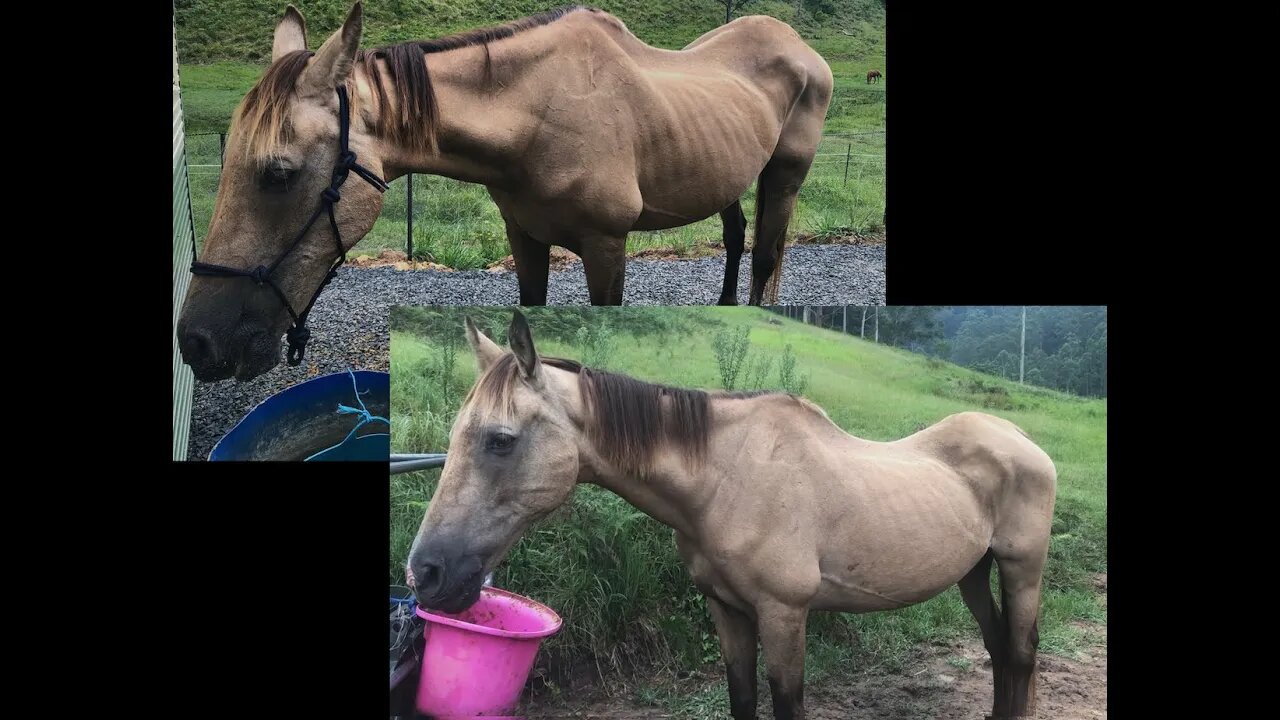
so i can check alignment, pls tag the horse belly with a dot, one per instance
(847, 591)
(913, 546)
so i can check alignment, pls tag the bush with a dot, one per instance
(731, 348)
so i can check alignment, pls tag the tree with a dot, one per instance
(730, 5)
(1022, 346)
(914, 327)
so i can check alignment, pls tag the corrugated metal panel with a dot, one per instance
(183, 231)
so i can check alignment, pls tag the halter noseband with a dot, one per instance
(298, 335)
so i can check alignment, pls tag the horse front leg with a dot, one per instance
(533, 265)
(737, 633)
(532, 257)
(604, 260)
(782, 640)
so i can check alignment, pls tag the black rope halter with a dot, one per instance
(298, 335)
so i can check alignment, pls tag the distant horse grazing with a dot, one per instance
(580, 132)
(776, 510)
(873, 76)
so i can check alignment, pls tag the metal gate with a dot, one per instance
(183, 248)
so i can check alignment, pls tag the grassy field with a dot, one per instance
(224, 47)
(613, 573)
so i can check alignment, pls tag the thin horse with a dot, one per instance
(580, 132)
(776, 510)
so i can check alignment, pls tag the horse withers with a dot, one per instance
(580, 132)
(776, 510)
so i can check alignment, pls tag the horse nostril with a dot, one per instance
(197, 347)
(426, 577)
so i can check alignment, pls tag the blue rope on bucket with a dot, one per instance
(366, 417)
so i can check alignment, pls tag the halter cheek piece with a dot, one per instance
(298, 335)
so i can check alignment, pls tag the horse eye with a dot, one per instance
(278, 178)
(500, 442)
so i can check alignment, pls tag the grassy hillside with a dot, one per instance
(613, 573)
(224, 46)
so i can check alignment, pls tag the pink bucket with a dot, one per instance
(476, 662)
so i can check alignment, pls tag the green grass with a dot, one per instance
(224, 48)
(613, 573)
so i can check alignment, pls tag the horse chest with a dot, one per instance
(710, 576)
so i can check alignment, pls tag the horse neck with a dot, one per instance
(674, 493)
(483, 123)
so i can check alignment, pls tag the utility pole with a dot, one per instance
(1022, 357)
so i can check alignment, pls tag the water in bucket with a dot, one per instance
(341, 416)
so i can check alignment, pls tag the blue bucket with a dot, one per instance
(303, 422)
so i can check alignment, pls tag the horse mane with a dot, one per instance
(629, 419)
(408, 115)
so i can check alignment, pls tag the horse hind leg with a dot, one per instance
(776, 193)
(975, 589)
(735, 240)
(1020, 545)
(779, 185)
(1020, 581)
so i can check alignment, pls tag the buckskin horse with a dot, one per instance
(776, 510)
(580, 132)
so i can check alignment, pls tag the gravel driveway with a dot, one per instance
(349, 321)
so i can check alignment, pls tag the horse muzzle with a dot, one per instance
(449, 586)
(245, 353)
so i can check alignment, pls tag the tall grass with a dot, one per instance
(613, 573)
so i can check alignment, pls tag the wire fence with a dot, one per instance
(427, 216)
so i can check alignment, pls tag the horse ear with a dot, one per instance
(521, 341)
(333, 61)
(486, 350)
(291, 34)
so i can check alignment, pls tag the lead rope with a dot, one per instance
(366, 417)
(298, 335)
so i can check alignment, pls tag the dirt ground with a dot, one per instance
(945, 682)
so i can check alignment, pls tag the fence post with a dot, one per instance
(222, 148)
(409, 214)
(847, 155)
